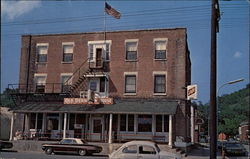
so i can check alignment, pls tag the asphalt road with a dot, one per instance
(39, 155)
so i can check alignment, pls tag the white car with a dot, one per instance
(141, 150)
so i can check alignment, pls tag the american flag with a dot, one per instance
(111, 11)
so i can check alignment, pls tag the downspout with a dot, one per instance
(28, 65)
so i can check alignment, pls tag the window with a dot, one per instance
(68, 52)
(130, 122)
(130, 149)
(40, 81)
(71, 121)
(42, 51)
(32, 120)
(145, 123)
(52, 121)
(166, 123)
(39, 121)
(123, 122)
(160, 84)
(66, 82)
(94, 50)
(130, 84)
(160, 49)
(158, 123)
(102, 84)
(131, 51)
(147, 150)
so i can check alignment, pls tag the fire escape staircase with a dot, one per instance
(20, 93)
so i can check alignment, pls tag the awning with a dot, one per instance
(124, 106)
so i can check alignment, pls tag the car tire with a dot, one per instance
(82, 152)
(48, 151)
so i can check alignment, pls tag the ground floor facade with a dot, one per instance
(120, 122)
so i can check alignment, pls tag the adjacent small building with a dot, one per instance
(108, 87)
(244, 131)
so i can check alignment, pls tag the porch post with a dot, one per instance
(64, 125)
(11, 126)
(170, 133)
(192, 124)
(110, 128)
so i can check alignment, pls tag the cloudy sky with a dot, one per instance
(44, 17)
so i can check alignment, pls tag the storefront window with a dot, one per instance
(71, 121)
(39, 121)
(145, 123)
(130, 122)
(123, 122)
(158, 123)
(53, 121)
(32, 120)
(166, 123)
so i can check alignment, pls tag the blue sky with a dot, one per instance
(44, 17)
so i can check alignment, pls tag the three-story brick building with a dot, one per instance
(130, 85)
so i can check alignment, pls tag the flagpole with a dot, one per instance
(105, 29)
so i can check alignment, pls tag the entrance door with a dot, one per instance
(97, 129)
(98, 57)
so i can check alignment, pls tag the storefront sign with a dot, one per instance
(85, 101)
(191, 92)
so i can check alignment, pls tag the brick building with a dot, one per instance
(129, 86)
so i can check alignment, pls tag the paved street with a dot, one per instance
(39, 155)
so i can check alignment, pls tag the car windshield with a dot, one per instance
(157, 148)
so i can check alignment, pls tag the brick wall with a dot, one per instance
(176, 64)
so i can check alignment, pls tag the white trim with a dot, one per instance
(129, 94)
(100, 42)
(68, 43)
(66, 74)
(130, 73)
(160, 73)
(160, 39)
(42, 44)
(40, 74)
(132, 40)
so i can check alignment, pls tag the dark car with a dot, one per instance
(232, 148)
(71, 145)
(5, 145)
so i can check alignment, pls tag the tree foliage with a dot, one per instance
(232, 110)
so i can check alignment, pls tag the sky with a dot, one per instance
(45, 17)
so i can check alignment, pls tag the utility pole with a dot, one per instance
(213, 79)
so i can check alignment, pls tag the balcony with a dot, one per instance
(47, 92)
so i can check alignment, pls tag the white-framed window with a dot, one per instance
(160, 49)
(42, 52)
(131, 49)
(68, 49)
(162, 123)
(40, 82)
(130, 79)
(66, 81)
(97, 47)
(160, 82)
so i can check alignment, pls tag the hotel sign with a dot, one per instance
(191, 92)
(85, 101)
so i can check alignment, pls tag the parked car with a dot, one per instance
(142, 150)
(5, 145)
(71, 145)
(233, 148)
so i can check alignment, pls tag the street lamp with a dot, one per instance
(227, 83)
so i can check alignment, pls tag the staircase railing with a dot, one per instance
(78, 72)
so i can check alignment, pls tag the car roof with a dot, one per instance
(149, 143)
(76, 139)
